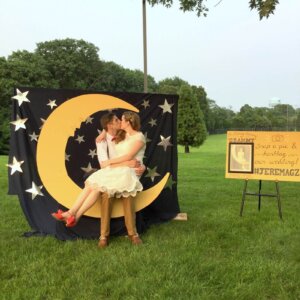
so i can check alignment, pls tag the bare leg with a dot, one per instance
(78, 203)
(87, 203)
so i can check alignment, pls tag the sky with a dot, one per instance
(237, 58)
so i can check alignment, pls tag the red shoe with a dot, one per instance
(71, 221)
(58, 215)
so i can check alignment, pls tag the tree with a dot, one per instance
(281, 116)
(4, 131)
(173, 84)
(298, 121)
(72, 63)
(191, 126)
(219, 118)
(113, 77)
(264, 7)
(21, 68)
(201, 96)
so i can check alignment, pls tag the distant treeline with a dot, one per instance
(76, 64)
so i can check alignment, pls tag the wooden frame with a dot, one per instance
(240, 157)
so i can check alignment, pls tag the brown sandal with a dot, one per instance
(135, 239)
(103, 242)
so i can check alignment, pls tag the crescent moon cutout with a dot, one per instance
(59, 126)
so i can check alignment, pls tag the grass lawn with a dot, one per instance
(216, 254)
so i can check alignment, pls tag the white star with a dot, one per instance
(43, 121)
(52, 103)
(165, 142)
(35, 190)
(166, 107)
(33, 136)
(21, 97)
(80, 139)
(145, 103)
(19, 123)
(89, 120)
(88, 169)
(146, 137)
(152, 122)
(15, 166)
(92, 153)
(152, 173)
(67, 156)
(170, 183)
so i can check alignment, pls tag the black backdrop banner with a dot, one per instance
(31, 108)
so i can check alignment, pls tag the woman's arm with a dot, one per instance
(101, 137)
(137, 146)
(134, 163)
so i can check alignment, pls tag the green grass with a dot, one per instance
(216, 254)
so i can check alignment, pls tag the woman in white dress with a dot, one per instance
(114, 178)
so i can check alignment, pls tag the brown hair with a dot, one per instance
(133, 118)
(105, 119)
(120, 136)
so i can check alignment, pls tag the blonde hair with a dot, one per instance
(120, 136)
(133, 118)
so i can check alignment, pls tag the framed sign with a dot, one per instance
(240, 158)
(263, 155)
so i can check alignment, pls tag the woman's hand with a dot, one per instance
(101, 137)
(140, 170)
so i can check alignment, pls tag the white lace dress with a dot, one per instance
(120, 181)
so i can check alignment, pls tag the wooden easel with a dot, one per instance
(259, 194)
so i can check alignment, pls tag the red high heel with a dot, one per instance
(58, 215)
(71, 221)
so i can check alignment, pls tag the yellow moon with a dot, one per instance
(59, 126)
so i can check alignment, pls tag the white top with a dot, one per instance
(106, 149)
(124, 146)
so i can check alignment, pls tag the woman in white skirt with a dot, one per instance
(114, 179)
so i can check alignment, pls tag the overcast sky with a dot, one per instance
(234, 56)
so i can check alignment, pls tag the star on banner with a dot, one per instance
(15, 166)
(152, 173)
(166, 107)
(43, 122)
(145, 103)
(52, 103)
(88, 169)
(165, 142)
(19, 123)
(35, 190)
(152, 122)
(89, 120)
(146, 137)
(92, 153)
(80, 139)
(33, 136)
(67, 157)
(169, 183)
(21, 97)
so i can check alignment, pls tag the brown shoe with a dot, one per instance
(135, 239)
(103, 242)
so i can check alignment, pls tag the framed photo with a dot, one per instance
(240, 157)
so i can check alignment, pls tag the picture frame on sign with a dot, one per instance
(240, 157)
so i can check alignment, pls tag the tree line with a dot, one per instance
(75, 64)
